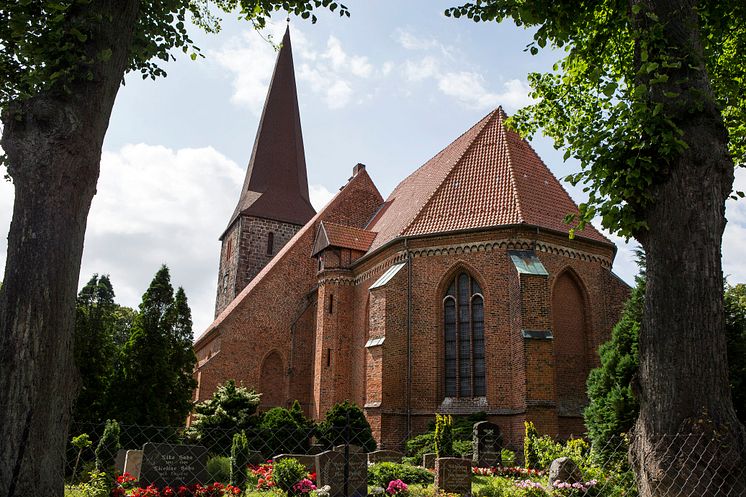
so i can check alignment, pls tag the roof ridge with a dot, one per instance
(511, 169)
(486, 120)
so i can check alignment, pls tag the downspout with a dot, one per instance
(409, 338)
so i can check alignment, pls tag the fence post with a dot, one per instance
(347, 457)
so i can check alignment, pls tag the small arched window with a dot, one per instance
(270, 243)
(463, 326)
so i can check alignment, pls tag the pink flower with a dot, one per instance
(396, 486)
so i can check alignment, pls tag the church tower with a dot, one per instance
(274, 202)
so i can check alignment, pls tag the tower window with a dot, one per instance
(229, 249)
(463, 327)
(225, 282)
(270, 243)
(331, 304)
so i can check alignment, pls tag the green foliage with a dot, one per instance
(507, 457)
(231, 409)
(220, 468)
(498, 487)
(462, 447)
(443, 435)
(287, 472)
(107, 447)
(612, 407)
(158, 354)
(239, 460)
(547, 450)
(286, 431)
(334, 429)
(81, 442)
(616, 103)
(735, 335)
(530, 451)
(380, 474)
(419, 445)
(100, 484)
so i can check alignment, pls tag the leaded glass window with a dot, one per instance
(463, 328)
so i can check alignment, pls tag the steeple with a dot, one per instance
(276, 186)
(274, 203)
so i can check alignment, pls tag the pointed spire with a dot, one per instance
(276, 185)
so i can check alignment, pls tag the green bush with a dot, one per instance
(99, 485)
(380, 474)
(239, 460)
(333, 430)
(287, 472)
(107, 447)
(219, 469)
(530, 455)
(421, 444)
(507, 457)
(462, 447)
(498, 487)
(286, 431)
(443, 435)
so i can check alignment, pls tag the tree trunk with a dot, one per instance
(53, 146)
(687, 440)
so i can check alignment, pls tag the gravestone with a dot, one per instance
(428, 460)
(453, 475)
(133, 463)
(565, 470)
(309, 461)
(173, 465)
(384, 456)
(330, 470)
(487, 442)
(119, 461)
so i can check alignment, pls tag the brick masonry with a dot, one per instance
(299, 330)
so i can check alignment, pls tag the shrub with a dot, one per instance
(421, 444)
(498, 487)
(443, 435)
(219, 469)
(334, 430)
(99, 485)
(530, 455)
(462, 447)
(107, 447)
(239, 460)
(285, 431)
(382, 473)
(507, 457)
(287, 472)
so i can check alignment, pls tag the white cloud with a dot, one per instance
(427, 67)
(157, 205)
(319, 196)
(410, 41)
(332, 72)
(468, 88)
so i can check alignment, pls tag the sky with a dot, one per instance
(388, 87)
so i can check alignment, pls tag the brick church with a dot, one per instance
(460, 292)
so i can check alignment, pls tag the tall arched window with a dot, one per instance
(270, 243)
(463, 325)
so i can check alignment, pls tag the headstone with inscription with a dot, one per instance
(453, 475)
(428, 460)
(173, 465)
(133, 462)
(384, 456)
(487, 442)
(330, 470)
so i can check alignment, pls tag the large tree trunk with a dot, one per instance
(687, 440)
(53, 145)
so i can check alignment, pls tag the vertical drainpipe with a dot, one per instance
(409, 338)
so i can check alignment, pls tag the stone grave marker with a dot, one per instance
(309, 461)
(330, 470)
(384, 456)
(173, 465)
(119, 461)
(487, 442)
(133, 462)
(453, 475)
(428, 460)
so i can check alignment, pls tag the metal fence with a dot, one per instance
(344, 462)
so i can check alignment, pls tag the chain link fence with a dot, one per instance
(343, 462)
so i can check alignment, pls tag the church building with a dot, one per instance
(461, 292)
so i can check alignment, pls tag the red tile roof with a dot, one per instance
(488, 177)
(338, 235)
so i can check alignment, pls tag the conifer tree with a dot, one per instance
(155, 385)
(95, 351)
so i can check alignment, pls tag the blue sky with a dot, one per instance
(388, 87)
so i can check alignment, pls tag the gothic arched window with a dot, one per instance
(270, 243)
(463, 326)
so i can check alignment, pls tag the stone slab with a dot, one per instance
(173, 465)
(133, 462)
(453, 475)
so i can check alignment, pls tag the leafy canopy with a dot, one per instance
(48, 45)
(616, 100)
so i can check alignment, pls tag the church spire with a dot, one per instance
(276, 185)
